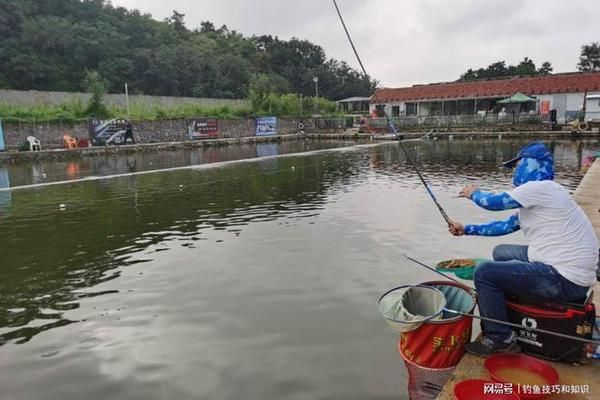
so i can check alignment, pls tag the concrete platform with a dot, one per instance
(587, 196)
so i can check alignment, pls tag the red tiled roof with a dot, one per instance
(551, 84)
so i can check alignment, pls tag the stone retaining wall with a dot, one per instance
(174, 130)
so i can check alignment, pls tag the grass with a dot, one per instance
(75, 111)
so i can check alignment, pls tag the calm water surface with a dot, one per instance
(241, 280)
(42, 172)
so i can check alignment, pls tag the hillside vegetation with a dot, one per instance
(50, 44)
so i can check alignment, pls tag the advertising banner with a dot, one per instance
(266, 126)
(203, 128)
(5, 196)
(114, 131)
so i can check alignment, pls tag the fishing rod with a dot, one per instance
(445, 216)
(497, 321)
(392, 127)
(537, 330)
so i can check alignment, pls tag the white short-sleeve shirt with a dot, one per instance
(558, 231)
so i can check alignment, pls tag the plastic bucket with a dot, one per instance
(406, 308)
(440, 342)
(544, 374)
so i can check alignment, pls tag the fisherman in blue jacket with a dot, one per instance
(560, 261)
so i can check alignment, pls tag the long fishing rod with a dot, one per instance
(537, 330)
(392, 127)
(497, 321)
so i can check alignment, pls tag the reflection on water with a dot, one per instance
(36, 172)
(251, 280)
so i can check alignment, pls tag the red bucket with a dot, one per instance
(525, 373)
(441, 343)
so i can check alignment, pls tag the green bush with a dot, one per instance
(72, 111)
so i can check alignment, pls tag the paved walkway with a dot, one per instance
(588, 197)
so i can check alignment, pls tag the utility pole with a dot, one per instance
(316, 81)
(127, 100)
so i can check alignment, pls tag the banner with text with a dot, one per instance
(266, 126)
(203, 128)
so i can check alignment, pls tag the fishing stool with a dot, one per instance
(569, 318)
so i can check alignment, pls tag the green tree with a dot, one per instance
(49, 45)
(546, 68)
(499, 69)
(96, 86)
(524, 68)
(589, 58)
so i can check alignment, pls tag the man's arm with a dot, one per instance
(494, 202)
(489, 201)
(496, 228)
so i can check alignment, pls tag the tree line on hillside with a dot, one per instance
(50, 44)
(589, 61)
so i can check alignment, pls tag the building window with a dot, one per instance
(436, 108)
(411, 108)
(395, 111)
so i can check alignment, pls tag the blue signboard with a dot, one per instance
(1, 137)
(5, 196)
(266, 126)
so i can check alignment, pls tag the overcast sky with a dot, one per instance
(404, 42)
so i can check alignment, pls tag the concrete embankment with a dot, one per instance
(60, 154)
(14, 156)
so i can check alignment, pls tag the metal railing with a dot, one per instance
(455, 121)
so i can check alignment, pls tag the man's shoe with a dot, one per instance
(486, 347)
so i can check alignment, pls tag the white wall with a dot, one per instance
(593, 108)
(575, 101)
(388, 107)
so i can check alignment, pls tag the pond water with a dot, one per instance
(249, 279)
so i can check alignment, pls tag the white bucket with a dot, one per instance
(405, 308)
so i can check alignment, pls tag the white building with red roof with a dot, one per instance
(564, 93)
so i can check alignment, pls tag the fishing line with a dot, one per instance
(537, 330)
(392, 127)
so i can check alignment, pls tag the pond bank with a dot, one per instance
(60, 154)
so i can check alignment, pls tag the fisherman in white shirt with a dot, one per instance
(560, 261)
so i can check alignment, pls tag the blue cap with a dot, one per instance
(537, 150)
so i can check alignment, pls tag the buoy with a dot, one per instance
(583, 126)
(62, 206)
(301, 126)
